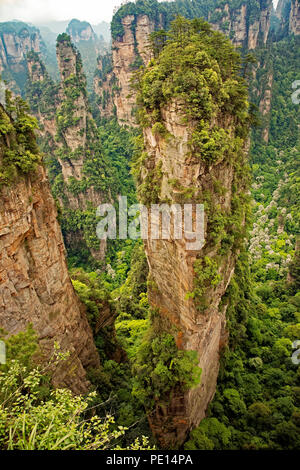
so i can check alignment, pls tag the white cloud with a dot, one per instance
(33, 11)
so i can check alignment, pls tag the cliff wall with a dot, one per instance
(182, 163)
(247, 26)
(16, 40)
(69, 135)
(34, 283)
(294, 20)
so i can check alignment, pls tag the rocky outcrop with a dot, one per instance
(112, 84)
(245, 27)
(294, 23)
(192, 156)
(104, 82)
(172, 273)
(71, 131)
(259, 30)
(81, 31)
(79, 136)
(16, 40)
(36, 69)
(34, 283)
(74, 135)
(128, 52)
(89, 45)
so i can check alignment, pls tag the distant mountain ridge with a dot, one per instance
(18, 38)
(58, 27)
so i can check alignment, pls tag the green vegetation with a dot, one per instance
(257, 401)
(199, 70)
(21, 156)
(106, 299)
(160, 368)
(33, 416)
(166, 12)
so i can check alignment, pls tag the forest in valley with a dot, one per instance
(241, 114)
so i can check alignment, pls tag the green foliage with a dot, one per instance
(22, 347)
(29, 422)
(206, 270)
(219, 436)
(131, 297)
(159, 367)
(257, 391)
(192, 68)
(64, 38)
(33, 416)
(92, 293)
(117, 145)
(19, 153)
(114, 380)
(130, 333)
(163, 13)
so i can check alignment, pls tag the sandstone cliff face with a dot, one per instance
(172, 271)
(125, 51)
(130, 50)
(81, 31)
(104, 82)
(16, 40)
(240, 27)
(34, 283)
(128, 53)
(294, 24)
(69, 129)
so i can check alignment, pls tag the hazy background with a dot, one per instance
(40, 11)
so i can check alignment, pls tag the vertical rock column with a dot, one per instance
(294, 27)
(34, 283)
(187, 287)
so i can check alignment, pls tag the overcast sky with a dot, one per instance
(36, 11)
